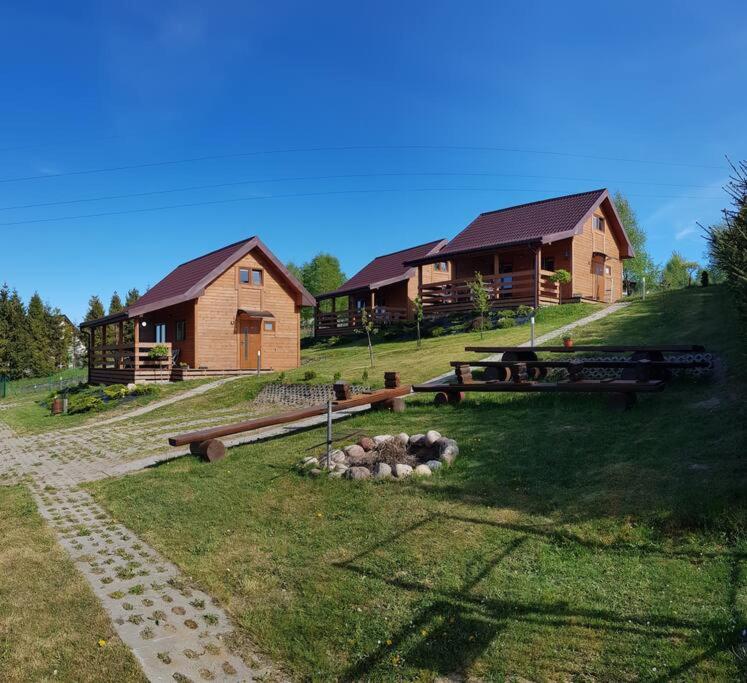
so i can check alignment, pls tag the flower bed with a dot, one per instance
(385, 456)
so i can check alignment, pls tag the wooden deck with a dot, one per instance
(341, 323)
(506, 290)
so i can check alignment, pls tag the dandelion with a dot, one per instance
(423, 632)
(102, 642)
(389, 641)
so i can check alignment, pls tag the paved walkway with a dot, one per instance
(176, 632)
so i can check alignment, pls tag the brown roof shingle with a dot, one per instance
(386, 269)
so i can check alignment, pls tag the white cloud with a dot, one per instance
(684, 233)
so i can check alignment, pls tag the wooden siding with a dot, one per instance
(170, 316)
(584, 246)
(218, 343)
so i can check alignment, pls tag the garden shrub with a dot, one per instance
(309, 375)
(437, 331)
(143, 389)
(83, 403)
(505, 323)
(115, 391)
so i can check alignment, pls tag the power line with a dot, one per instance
(258, 181)
(296, 195)
(238, 155)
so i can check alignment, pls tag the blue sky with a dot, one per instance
(375, 105)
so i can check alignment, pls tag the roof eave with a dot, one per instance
(106, 319)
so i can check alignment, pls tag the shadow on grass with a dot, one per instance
(455, 626)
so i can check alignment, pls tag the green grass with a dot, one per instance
(567, 542)
(26, 414)
(50, 621)
(352, 359)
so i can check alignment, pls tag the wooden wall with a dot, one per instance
(170, 316)
(584, 245)
(217, 341)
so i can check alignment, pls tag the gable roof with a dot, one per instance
(189, 280)
(543, 221)
(386, 269)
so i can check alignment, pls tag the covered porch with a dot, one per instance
(513, 277)
(344, 315)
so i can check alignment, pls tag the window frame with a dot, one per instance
(248, 280)
(255, 271)
(437, 266)
(180, 331)
(546, 260)
(598, 223)
(157, 329)
(272, 326)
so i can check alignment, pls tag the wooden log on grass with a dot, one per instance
(210, 449)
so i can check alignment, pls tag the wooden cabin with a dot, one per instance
(518, 249)
(385, 288)
(235, 310)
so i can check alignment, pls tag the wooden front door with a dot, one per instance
(597, 268)
(250, 342)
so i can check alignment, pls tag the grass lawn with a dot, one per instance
(352, 359)
(567, 542)
(25, 414)
(50, 621)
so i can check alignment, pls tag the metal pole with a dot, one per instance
(259, 361)
(644, 289)
(329, 431)
(531, 325)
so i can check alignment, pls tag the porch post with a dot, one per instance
(120, 343)
(91, 342)
(136, 344)
(537, 264)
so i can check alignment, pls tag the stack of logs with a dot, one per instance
(343, 392)
(463, 373)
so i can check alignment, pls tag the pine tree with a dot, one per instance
(4, 328)
(95, 310)
(132, 296)
(41, 361)
(115, 304)
(17, 350)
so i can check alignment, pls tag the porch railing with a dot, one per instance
(504, 290)
(339, 322)
(130, 356)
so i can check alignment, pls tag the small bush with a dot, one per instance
(84, 404)
(437, 331)
(115, 391)
(309, 375)
(505, 323)
(508, 313)
(524, 311)
(337, 376)
(143, 389)
(364, 376)
(159, 351)
(281, 378)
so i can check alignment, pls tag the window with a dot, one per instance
(252, 276)
(257, 277)
(441, 266)
(269, 325)
(181, 330)
(608, 270)
(160, 333)
(548, 263)
(598, 223)
(244, 276)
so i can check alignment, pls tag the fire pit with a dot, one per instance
(385, 456)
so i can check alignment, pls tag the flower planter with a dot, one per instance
(568, 343)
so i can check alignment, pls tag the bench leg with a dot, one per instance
(441, 398)
(212, 449)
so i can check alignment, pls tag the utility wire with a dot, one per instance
(294, 195)
(295, 150)
(258, 181)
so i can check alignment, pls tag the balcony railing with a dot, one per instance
(504, 290)
(129, 356)
(345, 322)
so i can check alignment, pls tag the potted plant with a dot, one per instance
(562, 277)
(568, 340)
(158, 353)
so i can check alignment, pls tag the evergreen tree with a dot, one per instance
(115, 304)
(132, 296)
(41, 361)
(4, 328)
(95, 310)
(641, 265)
(17, 351)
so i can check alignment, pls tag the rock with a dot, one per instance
(315, 472)
(335, 474)
(341, 467)
(382, 438)
(363, 458)
(367, 443)
(431, 436)
(422, 471)
(447, 450)
(358, 473)
(403, 438)
(131, 386)
(354, 451)
(401, 471)
(338, 457)
(382, 471)
(310, 462)
(417, 440)
(433, 465)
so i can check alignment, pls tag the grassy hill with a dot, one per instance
(566, 542)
